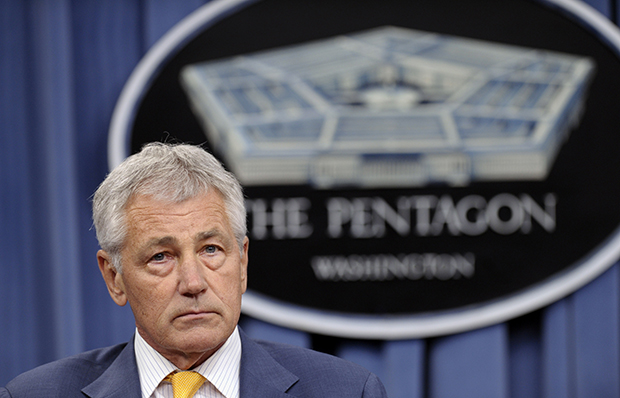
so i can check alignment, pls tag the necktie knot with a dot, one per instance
(185, 383)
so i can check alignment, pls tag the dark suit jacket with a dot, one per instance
(267, 370)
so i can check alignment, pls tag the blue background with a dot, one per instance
(62, 67)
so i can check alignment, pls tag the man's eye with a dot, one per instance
(210, 249)
(159, 257)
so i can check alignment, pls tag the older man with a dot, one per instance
(171, 225)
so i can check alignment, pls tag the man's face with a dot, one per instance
(182, 274)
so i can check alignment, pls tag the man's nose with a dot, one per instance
(191, 276)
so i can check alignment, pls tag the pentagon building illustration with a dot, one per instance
(389, 107)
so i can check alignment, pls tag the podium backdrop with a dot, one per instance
(62, 67)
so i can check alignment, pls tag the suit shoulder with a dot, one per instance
(67, 374)
(303, 360)
(323, 375)
(303, 373)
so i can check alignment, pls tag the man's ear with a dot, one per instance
(113, 279)
(244, 264)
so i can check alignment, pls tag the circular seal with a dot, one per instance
(411, 168)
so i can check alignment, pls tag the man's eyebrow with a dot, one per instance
(213, 233)
(145, 249)
(164, 241)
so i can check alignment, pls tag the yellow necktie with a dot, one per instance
(186, 383)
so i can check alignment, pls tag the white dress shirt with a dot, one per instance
(221, 370)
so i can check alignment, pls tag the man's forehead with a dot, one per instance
(203, 216)
(161, 204)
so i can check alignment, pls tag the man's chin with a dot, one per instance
(199, 349)
(200, 337)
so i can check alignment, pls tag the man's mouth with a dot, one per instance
(194, 315)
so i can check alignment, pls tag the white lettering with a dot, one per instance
(386, 267)
(445, 214)
(472, 205)
(546, 217)
(427, 215)
(288, 218)
(515, 219)
(423, 206)
(338, 214)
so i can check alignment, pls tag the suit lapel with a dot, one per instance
(260, 374)
(121, 379)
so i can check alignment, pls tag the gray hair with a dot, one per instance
(172, 172)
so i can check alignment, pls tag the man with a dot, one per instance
(171, 224)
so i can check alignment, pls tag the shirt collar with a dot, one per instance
(221, 368)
